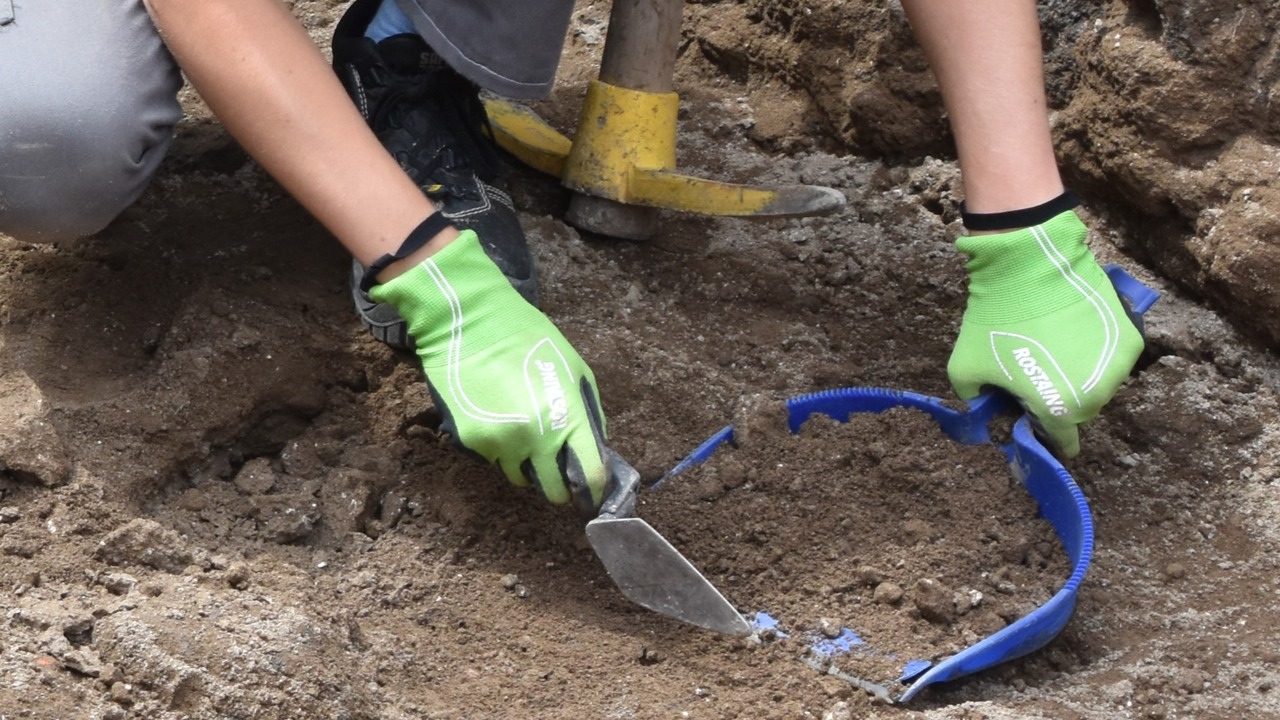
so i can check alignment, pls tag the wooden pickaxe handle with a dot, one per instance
(639, 54)
(641, 45)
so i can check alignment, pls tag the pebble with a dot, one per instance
(83, 661)
(9, 515)
(969, 598)
(829, 628)
(394, 506)
(256, 477)
(869, 576)
(238, 575)
(510, 581)
(145, 542)
(935, 602)
(287, 518)
(1175, 571)
(887, 593)
(193, 500)
(29, 446)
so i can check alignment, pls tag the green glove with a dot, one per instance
(509, 386)
(1045, 324)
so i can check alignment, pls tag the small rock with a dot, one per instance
(1175, 571)
(145, 542)
(30, 448)
(78, 630)
(53, 642)
(934, 601)
(9, 515)
(122, 693)
(193, 500)
(972, 599)
(393, 507)
(869, 576)
(829, 628)
(28, 619)
(649, 656)
(887, 594)
(238, 576)
(21, 544)
(117, 583)
(286, 518)
(349, 499)
(83, 661)
(256, 477)
(510, 581)
(521, 591)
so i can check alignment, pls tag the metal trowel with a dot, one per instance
(647, 569)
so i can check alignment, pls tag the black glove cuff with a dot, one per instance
(1015, 219)
(428, 229)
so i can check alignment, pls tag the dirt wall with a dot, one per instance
(1162, 115)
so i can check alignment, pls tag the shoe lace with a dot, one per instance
(450, 126)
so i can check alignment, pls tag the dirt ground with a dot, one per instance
(222, 499)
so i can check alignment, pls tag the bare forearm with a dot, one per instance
(268, 84)
(989, 63)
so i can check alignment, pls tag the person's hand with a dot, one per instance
(1043, 323)
(509, 386)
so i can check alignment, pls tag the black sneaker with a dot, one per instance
(431, 119)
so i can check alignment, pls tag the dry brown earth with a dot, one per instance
(223, 500)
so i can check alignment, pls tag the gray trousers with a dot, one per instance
(88, 97)
(511, 47)
(88, 100)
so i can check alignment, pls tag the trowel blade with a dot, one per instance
(653, 574)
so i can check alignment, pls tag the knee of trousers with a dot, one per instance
(70, 176)
(82, 133)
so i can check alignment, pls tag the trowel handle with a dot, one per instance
(621, 489)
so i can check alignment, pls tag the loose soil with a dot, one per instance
(224, 500)
(877, 543)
